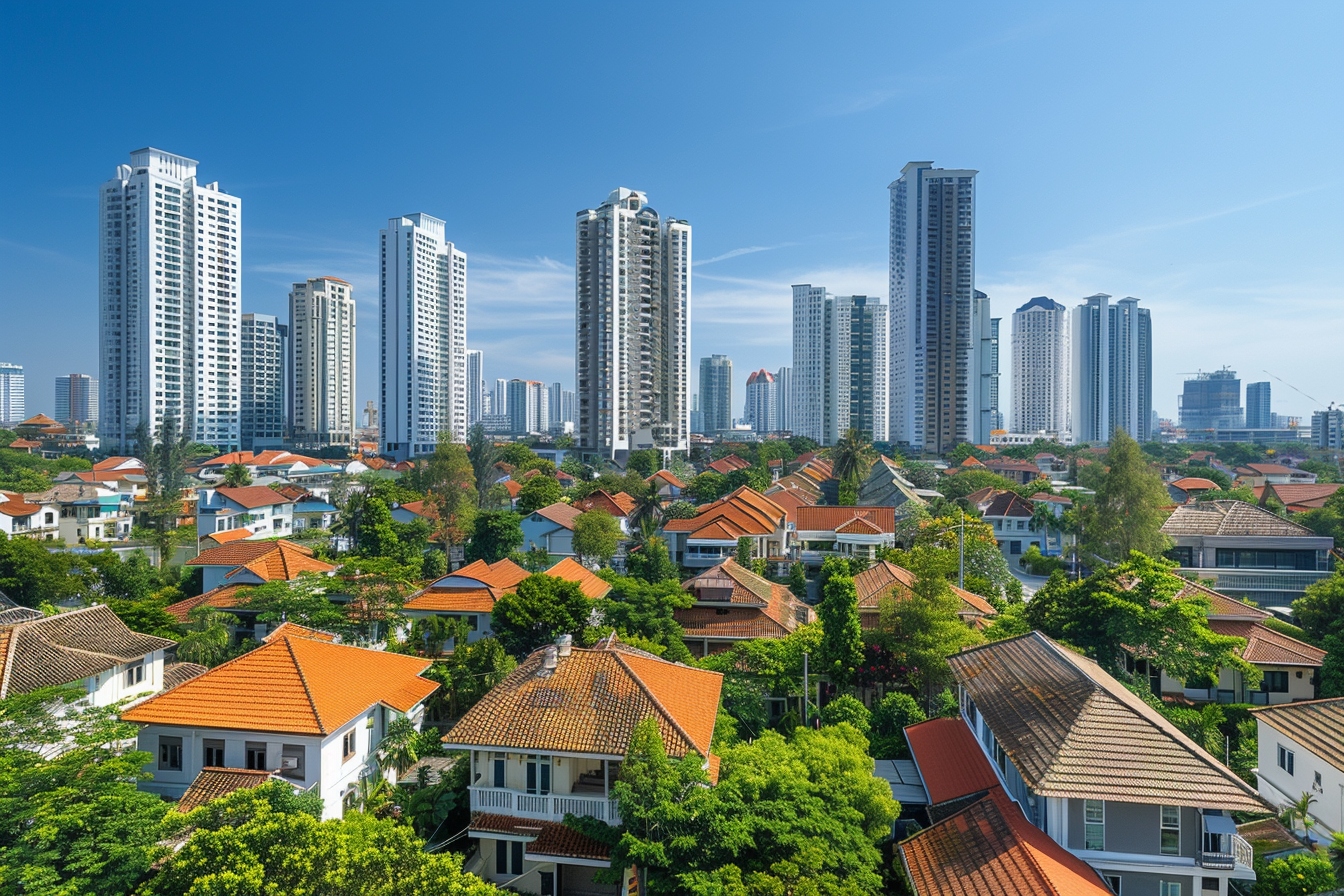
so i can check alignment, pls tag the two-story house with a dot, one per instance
(850, 532)
(549, 740)
(1101, 772)
(90, 649)
(666, 485)
(1301, 750)
(301, 707)
(262, 511)
(712, 535)
(551, 529)
(87, 512)
(734, 604)
(22, 516)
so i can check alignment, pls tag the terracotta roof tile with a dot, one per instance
(310, 687)
(287, 628)
(663, 476)
(886, 579)
(589, 583)
(550, 839)
(465, 600)
(950, 760)
(560, 513)
(228, 535)
(241, 552)
(744, 512)
(67, 648)
(16, 505)
(1303, 495)
(1317, 725)
(829, 518)
(253, 496)
(225, 597)
(285, 562)
(726, 465)
(213, 783)
(618, 505)
(1229, 518)
(1195, 483)
(1266, 647)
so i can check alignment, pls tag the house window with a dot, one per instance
(170, 754)
(1285, 759)
(1168, 888)
(509, 857)
(1113, 881)
(1014, 547)
(348, 745)
(255, 755)
(539, 774)
(1275, 683)
(1209, 883)
(498, 764)
(214, 753)
(1316, 783)
(1094, 824)
(135, 674)
(547, 883)
(291, 761)
(1171, 830)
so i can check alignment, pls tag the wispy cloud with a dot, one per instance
(737, 253)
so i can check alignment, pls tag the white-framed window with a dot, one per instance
(1094, 824)
(212, 753)
(1285, 759)
(1113, 881)
(348, 745)
(170, 753)
(135, 674)
(1171, 830)
(1169, 888)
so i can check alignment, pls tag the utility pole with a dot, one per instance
(804, 688)
(961, 550)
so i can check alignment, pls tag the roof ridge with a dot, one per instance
(303, 679)
(656, 702)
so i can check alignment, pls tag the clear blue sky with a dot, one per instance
(1188, 154)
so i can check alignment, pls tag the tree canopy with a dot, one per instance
(597, 535)
(540, 610)
(841, 651)
(495, 535)
(1127, 514)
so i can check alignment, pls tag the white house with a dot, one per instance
(306, 709)
(262, 511)
(844, 531)
(1302, 751)
(28, 518)
(87, 512)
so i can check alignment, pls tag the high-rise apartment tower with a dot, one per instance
(716, 393)
(11, 393)
(761, 409)
(1112, 369)
(475, 386)
(77, 400)
(264, 365)
(1041, 367)
(1259, 415)
(322, 351)
(839, 373)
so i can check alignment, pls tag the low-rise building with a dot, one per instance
(262, 511)
(711, 536)
(24, 517)
(849, 532)
(88, 512)
(1301, 751)
(666, 485)
(551, 529)
(885, 486)
(885, 580)
(1274, 474)
(1298, 497)
(467, 594)
(733, 604)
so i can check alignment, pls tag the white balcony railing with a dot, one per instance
(543, 807)
(1232, 852)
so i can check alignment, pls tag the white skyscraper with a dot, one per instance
(76, 399)
(170, 250)
(529, 410)
(935, 378)
(11, 393)
(807, 407)
(475, 386)
(1112, 369)
(264, 365)
(716, 394)
(839, 374)
(1041, 367)
(322, 340)
(632, 316)
(784, 399)
(423, 338)
(761, 411)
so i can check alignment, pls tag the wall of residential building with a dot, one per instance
(1301, 686)
(1279, 787)
(553, 538)
(1134, 828)
(263, 522)
(113, 686)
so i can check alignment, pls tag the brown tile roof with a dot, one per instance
(287, 628)
(663, 476)
(1303, 496)
(1318, 725)
(1072, 730)
(744, 512)
(884, 579)
(1195, 483)
(950, 761)
(16, 505)
(731, 623)
(284, 563)
(755, 606)
(223, 538)
(790, 499)
(552, 840)
(726, 465)
(254, 496)
(111, 463)
(592, 702)
(618, 505)
(830, 519)
(1009, 504)
(1271, 469)
(1229, 518)
(213, 783)
(67, 648)
(1266, 647)
(176, 673)
(310, 687)
(225, 597)
(238, 553)
(560, 513)
(1222, 605)
(990, 847)
(572, 570)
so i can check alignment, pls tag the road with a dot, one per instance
(1030, 584)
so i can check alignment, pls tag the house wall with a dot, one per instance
(565, 770)
(1139, 884)
(1301, 686)
(1279, 788)
(223, 515)
(110, 687)
(1134, 828)
(540, 532)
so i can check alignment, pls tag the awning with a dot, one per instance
(1219, 824)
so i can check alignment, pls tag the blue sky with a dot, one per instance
(1187, 154)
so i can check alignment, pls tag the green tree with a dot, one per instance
(450, 489)
(1293, 875)
(1320, 609)
(467, 674)
(645, 610)
(964, 481)
(31, 575)
(708, 486)
(481, 450)
(537, 492)
(798, 580)
(680, 510)
(849, 710)
(596, 536)
(207, 638)
(651, 562)
(1326, 520)
(237, 476)
(133, 579)
(1127, 514)
(984, 560)
(644, 461)
(647, 514)
(745, 547)
(377, 534)
(891, 717)
(302, 601)
(851, 457)
(1336, 853)
(841, 651)
(495, 535)
(1332, 667)
(149, 616)
(1297, 814)
(540, 610)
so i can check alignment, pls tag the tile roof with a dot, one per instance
(112, 463)
(572, 570)
(239, 553)
(884, 579)
(830, 519)
(254, 496)
(755, 606)
(285, 562)
(1009, 504)
(790, 499)
(1072, 730)
(1303, 495)
(465, 600)
(1271, 469)
(67, 648)
(176, 673)
(859, 526)
(663, 476)
(726, 465)
(991, 847)
(744, 512)
(618, 505)
(1222, 605)
(951, 763)
(552, 839)
(592, 702)
(225, 597)
(1318, 725)
(560, 513)
(1266, 647)
(1229, 518)
(228, 535)
(1194, 483)
(474, 588)
(307, 687)
(213, 783)
(287, 628)
(16, 505)
(501, 574)
(421, 509)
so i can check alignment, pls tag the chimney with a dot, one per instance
(564, 644)
(548, 663)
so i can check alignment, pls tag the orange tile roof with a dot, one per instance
(287, 628)
(990, 847)
(1194, 483)
(828, 518)
(560, 513)
(744, 512)
(950, 760)
(859, 526)
(111, 463)
(886, 579)
(17, 505)
(755, 606)
(665, 477)
(457, 593)
(591, 703)
(236, 553)
(726, 465)
(1266, 647)
(228, 535)
(550, 839)
(284, 563)
(618, 505)
(253, 496)
(306, 687)
(225, 597)
(572, 570)
(467, 600)
(421, 509)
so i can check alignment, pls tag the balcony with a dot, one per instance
(1222, 848)
(543, 807)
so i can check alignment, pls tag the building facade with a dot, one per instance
(423, 337)
(170, 249)
(1258, 412)
(529, 403)
(1112, 369)
(716, 394)
(264, 362)
(784, 399)
(1041, 367)
(76, 400)
(1131, 360)
(1212, 401)
(321, 400)
(475, 386)
(761, 410)
(11, 393)
(934, 380)
(632, 337)
(839, 374)
(989, 418)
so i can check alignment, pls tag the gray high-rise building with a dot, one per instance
(1259, 415)
(935, 378)
(263, 363)
(784, 399)
(12, 408)
(1210, 402)
(322, 363)
(839, 373)
(632, 337)
(761, 411)
(1327, 428)
(560, 405)
(988, 417)
(475, 386)
(1041, 367)
(1112, 370)
(77, 400)
(528, 412)
(716, 394)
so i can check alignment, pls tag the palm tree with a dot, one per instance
(851, 457)
(398, 747)
(1336, 853)
(1299, 811)
(647, 513)
(237, 476)
(209, 632)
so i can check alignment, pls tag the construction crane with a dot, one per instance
(1314, 401)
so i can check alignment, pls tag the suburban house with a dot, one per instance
(91, 649)
(262, 511)
(314, 513)
(1273, 474)
(308, 710)
(127, 477)
(725, 465)
(711, 536)
(1298, 498)
(822, 531)
(1301, 750)
(468, 593)
(551, 528)
(274, 462)
(1188, 488)
(619, 506)
(1022, 472)
(87, 512)
(1247, 551)
(20, 515)
(415, 511)
(549, 741)
(813, 477)
(885, 579)
(733, 604)
(1094, 767)
(665, 485)
(885, 486)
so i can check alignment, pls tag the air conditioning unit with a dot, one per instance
(289, 762)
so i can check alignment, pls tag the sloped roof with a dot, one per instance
(467, 600)
(572, 570)
(830, 519)
(1195, 483)
(885, 578)
(253, 496)
(551, 839)
(592, 702)
(288, 628)
(311, 687)
(16, 505)
(790, 499)
(283, 563)
(1266, 647)
(1271, 469)
(1230, 518)
(472, 589)
(560, 513)
(728, 464)
(990, 847)
(1222, 605)
(421, 509)
(228, 535)
(747, 586)
(1072, 730)
(502, 574)
(119, 462)
(225, 597)
(176, 673)
(1009, 504)
(240, 552)
(618, 505)
(213, 783)
(744, 512)
(1303, 495)
(951, 763)
(664, 476)
(859, 526)
(1318, 725)
(756, 608)
(68, 647)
